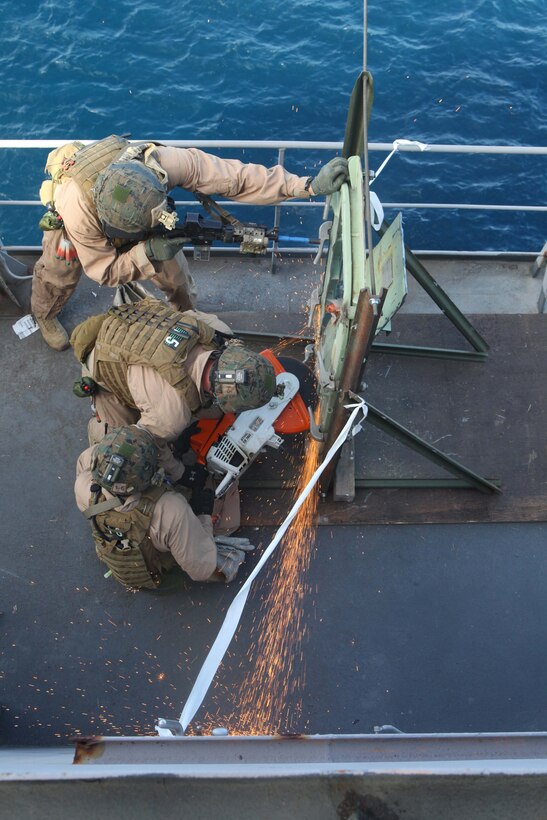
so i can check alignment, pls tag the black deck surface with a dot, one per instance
(430, 627)
(490, 416)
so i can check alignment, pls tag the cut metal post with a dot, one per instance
(277, 217)
(363, 330)
(344, 476)
(541, 265)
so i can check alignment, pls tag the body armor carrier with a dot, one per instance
(86, 165)
(123, 544)
(154, 335)
(80, 162)
(83, 164)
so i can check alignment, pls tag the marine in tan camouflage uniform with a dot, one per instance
(126, 186)
(142, 527)
(162, 368)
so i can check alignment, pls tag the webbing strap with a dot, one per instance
(103, 506)
(213, 207)
(233, 615)
(418, 146)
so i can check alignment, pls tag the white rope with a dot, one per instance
(233, 615)
(419, 146)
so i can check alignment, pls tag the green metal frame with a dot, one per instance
(388, 425)
(450, 310)
(346, 275)
(353, 145)
(345, 281)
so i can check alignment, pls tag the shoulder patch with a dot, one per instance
(175, 336)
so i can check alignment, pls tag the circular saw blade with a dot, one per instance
(306, 377)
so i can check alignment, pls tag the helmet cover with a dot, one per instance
(242, 379)
(129, 197)
(125, 461)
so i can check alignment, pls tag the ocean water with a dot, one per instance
(470, 71)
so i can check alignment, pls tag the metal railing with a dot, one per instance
(282, 146)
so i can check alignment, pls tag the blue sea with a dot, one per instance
(468, 72)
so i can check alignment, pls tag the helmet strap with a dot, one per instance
(99, 507)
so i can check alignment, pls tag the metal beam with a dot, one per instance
(429, 352)
(244, 752)
(476, 776)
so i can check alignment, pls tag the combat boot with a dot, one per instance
(53, 333)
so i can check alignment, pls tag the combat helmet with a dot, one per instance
(241, 379)
(126, 461)
(131, 200)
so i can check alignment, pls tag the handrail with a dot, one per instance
(302, 145)
(280, 146)
(187, 203)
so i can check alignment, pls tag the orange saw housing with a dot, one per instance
(293, 419)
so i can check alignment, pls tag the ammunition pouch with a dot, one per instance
(127, 565)
(85, 334)
(123, 544)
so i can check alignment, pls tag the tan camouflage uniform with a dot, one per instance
(161, 409)
(55, 280)
(174, 528)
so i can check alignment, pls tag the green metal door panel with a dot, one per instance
(356, 216)
(342, 281)
(347, 273)
(390, 271)
(331, 285)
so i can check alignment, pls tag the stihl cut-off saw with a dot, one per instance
(228, 446)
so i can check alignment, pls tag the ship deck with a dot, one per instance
(426, 607)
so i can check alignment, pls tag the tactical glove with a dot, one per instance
(194, 477)
(231, 541)
(181, 445)
(229, 556)
(160, 248)
(331, 177)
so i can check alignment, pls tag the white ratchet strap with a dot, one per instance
(376, 207)
(418, 146)
(377, 210)
(233, 615)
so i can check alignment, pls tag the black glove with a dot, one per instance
(331, 177)
(194, 477)
(203, 501)
(182, 444)
(160, 249)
